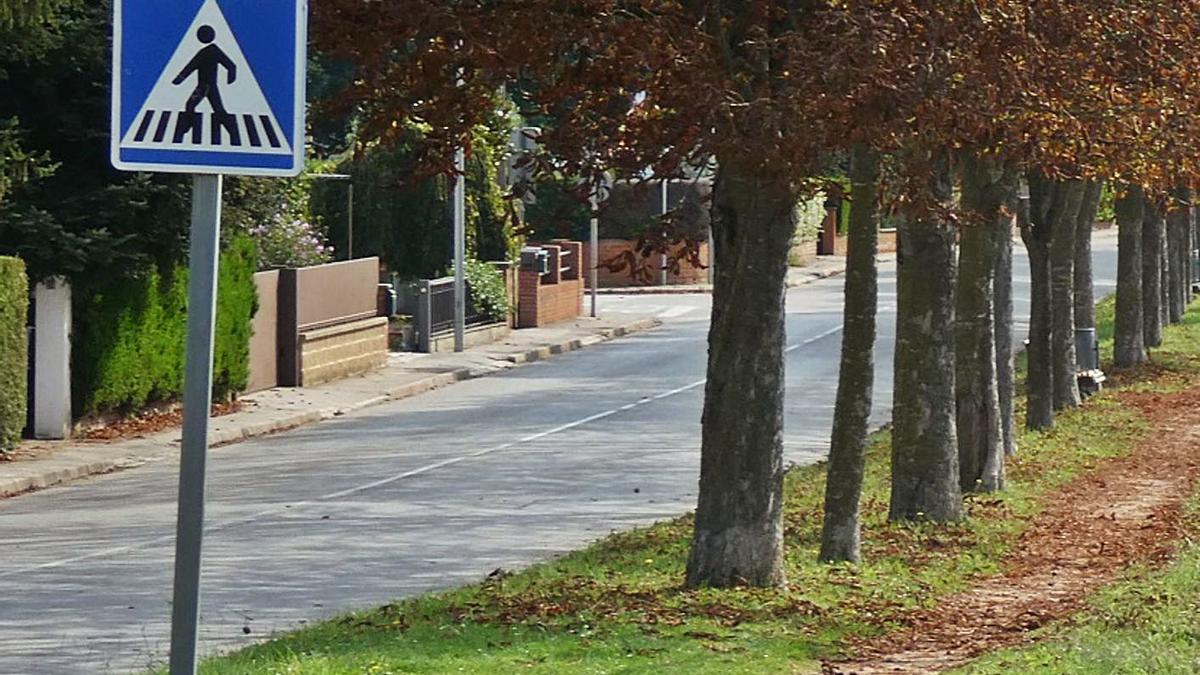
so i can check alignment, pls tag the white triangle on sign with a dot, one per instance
(248, 124)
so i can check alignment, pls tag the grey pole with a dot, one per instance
(712, 256)
(350, 221)
(594, 251)
(460, 247)
(197, 403)
(662, 277)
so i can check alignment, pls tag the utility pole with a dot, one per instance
(460, 250)
(594, 248)
(666, 199)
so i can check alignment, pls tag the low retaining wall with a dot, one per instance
(328, 354)
(316, 324)
(473, 336)
(610, 249)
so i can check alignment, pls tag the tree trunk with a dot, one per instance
(1005, 334)
(1129, 349)
(1189, 263)
(1152, 265)
(738, 538)
(1062, 290)
(856, 376)
(925, 480)
(1164, 280)
(1085, 293)
(980, 443)
(1035, 232)
(1177, 234)
(1189, 229)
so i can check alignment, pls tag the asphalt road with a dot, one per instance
(415, 495)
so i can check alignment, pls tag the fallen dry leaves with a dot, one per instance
(1126, 510)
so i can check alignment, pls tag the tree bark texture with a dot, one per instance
(840, 536)
(1036, 233)
(985, 189)
(1189, 244)
(1164, 303)
(1153, 226)
(1062, 281)
(1129, 349)
(1177, 242)
(925, 480)
(1085, 291)
(738, 537)
(1005, 334)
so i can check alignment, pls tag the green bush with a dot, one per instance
(14, 351)
(487, 289)
(128, 348)
(405, 219)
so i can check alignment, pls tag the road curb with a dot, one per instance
(707, 289)
(225, 437)
(606, 335)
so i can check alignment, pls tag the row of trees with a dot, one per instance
(947, 110)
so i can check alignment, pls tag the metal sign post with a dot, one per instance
(666, 208)
(460, 250)
(594, 249)
(205, 87)
(197, 402)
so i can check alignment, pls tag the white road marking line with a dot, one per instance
(116, 550)
(675, 312)
(817, 338)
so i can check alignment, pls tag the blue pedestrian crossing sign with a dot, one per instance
(209, 86)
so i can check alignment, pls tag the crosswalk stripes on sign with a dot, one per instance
(210, 86)
(207, 97)
(194, 129)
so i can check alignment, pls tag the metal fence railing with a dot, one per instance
(435, 311)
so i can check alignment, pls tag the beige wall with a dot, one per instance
(327, 295)
(612, 248)
(264, 344)
(326, 329)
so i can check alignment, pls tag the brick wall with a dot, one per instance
(556, 296)
(887, 243)
(611, 248)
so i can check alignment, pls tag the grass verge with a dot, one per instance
(618, 606)
(1148, 621)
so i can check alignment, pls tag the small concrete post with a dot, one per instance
(424, 318)
(52, 360)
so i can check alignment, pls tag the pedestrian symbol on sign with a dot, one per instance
(207, 98)
(206, 64)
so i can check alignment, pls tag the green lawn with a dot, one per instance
(618, 606)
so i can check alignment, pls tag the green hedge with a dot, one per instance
(128, 347)
(14, 351)
(407, 222)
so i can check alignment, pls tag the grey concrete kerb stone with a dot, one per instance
(73, 461)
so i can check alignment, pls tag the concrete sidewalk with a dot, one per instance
(280, 409)
(820, 268)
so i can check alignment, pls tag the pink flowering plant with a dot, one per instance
(290, 242)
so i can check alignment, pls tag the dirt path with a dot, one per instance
(1124, 511)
